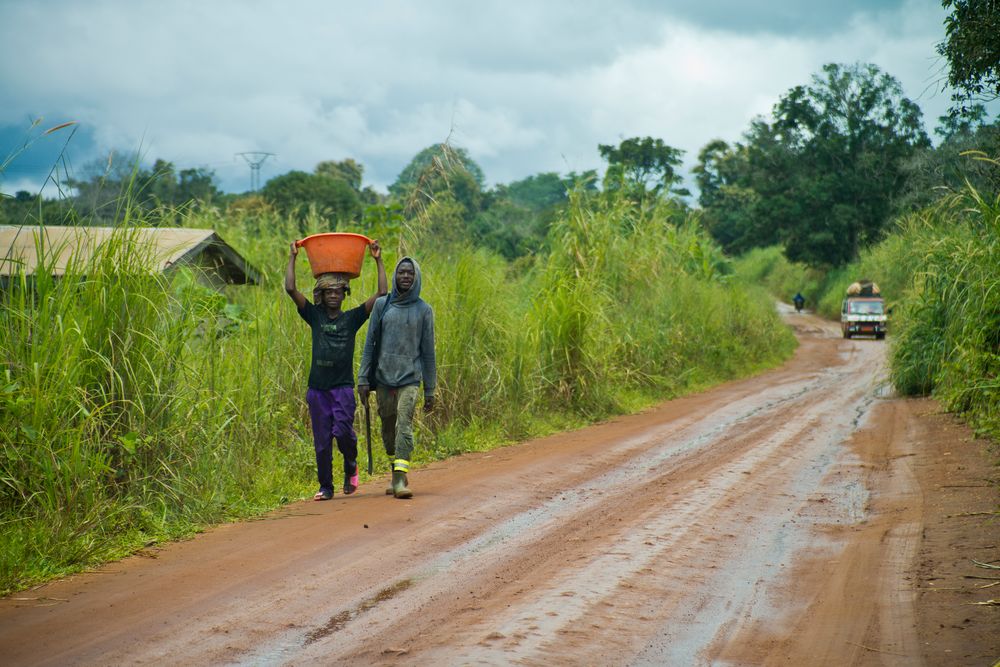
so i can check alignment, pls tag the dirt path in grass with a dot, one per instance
(799, 517)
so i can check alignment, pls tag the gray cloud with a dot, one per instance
(774, 17)
(526, 87)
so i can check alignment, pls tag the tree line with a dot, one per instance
(838, 158)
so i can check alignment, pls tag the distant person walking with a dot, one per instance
(799, 301)
(331, 373)
(397, 357)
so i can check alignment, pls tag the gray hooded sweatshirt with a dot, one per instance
(405, 331)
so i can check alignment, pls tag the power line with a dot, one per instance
(255, 159)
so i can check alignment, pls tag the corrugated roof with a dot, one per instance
(168, 248)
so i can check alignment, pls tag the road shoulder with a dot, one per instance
(957, 476)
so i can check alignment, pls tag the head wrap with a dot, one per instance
(331, 281)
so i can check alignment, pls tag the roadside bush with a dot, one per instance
(948, 331)
(770, 268)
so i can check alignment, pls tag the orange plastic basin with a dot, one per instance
(335, 252)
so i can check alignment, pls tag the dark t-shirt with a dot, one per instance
(332, 345)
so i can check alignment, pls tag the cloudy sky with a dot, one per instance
(524, 86)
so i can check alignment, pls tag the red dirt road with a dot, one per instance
(799, 517)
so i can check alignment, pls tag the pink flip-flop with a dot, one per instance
(351, 484)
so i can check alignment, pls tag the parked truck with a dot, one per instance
(863, 311)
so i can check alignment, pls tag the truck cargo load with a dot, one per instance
(863, 288)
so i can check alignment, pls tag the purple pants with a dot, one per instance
(332, 414)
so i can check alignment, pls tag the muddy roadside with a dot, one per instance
(958, 479)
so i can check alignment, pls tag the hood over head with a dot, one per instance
(413, 294)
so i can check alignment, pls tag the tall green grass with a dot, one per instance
(135, 408)
(129, 414)
(948, 329)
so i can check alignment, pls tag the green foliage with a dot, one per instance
(297, 192)
(437, 157)
(949, 326)
(510, 230)
(132, 409)
(435, 171)
(349, 171)
(892, 263)
(538, 192)
(972, 49)
(383, 222)
(120, 178)
(948, 168)
(515, 218)
(100, 196)
(26, 208)
(715, 170)
(820, 179)
(642, 167)
(769, 268)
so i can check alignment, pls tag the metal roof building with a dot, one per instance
(163, 249)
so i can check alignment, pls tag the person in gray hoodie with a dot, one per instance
(397, 357)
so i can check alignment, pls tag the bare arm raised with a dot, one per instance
(383, 284)
(297, 296)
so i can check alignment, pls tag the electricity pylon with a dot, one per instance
(255, 159)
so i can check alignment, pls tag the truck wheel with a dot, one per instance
(847, 334)
(880, 336)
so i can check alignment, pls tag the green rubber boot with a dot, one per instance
(388, 489)
(399, 488)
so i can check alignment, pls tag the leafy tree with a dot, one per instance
(296, 192)
(732, 220)
(516, 217)
(972, 49)
(509, 229)
(954, 125)
(197, 185)
(108, 183)
(383, 222)
(437, 170)
(347, 170)
(158, 186)
(956, 162)
(641, 166)
(438, 158)
(537, 192)
(823, 176)
(719, 166)
(853, 130)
